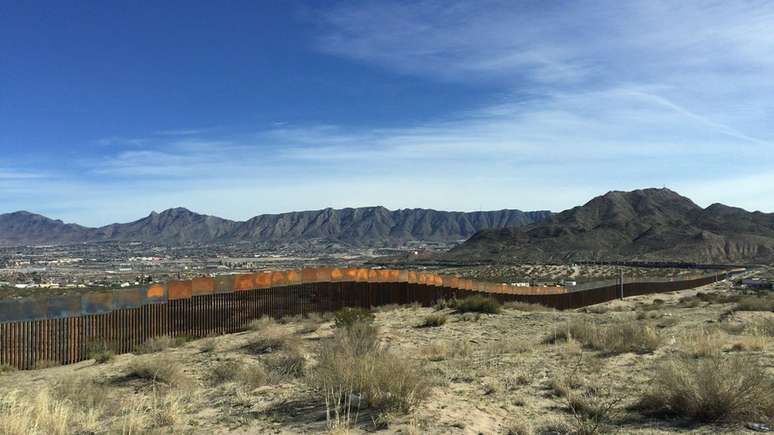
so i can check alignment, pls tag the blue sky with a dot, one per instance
(111, 109)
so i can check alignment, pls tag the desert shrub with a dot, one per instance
(290, 364)
(709, 343)
(348, 364)
(518, 427)
(618, 337)
(526, 307)
(271, 340)
(433, 320)
(157, 369)
(592, 411)
(718, 388)
(261, 324)
(756, 303)
(100, 352)
(444, 304)
(478, 304)
(251, 376)
(7, 368)
(346, 317)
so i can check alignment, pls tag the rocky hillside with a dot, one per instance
(649, 224)
(368, 226)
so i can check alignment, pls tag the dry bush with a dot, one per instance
(272, 339)
(756, 303)
(347, 317)
(289, 364)
(7, 368)
(158, 369)
(354, 363)
(618, 337)
(261, 324)
(100, 352)
(593, 411)
(250, 376)
(478, 304)
(526, 307)
(433, 320)
(518, 426)
(718, 388)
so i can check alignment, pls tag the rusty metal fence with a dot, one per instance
(65, 329)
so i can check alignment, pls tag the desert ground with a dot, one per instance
(618, 367)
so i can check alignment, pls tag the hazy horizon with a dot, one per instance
(111, 110)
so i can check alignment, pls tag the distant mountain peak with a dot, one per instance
(367, 226)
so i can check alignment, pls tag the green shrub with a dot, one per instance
(478, 304)
(346, 317)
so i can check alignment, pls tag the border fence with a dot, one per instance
(64, 329)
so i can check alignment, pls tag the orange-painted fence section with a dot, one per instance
(65, 329)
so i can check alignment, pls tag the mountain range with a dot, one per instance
(647, 224)
(367, 226)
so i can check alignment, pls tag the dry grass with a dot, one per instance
(158, 369)
(433, 320)
(46, 364)
(286, 365)
(261, 324)
(158, 344)
(728, 388)
(353, 362)
(615, 338)
(249, 376)
(702, 343)
(756, 303)
(271, 339)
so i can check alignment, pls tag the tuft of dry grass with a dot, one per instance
(727, 388)
(272, 339)
(158, 369)
(353, 362)
(433, 320)
(615, 338)
(261, 324)
(7, 368)
(250, 376)
(288, 364)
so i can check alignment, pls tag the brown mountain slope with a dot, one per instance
(648, 224)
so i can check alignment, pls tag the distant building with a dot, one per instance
(757, 284)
